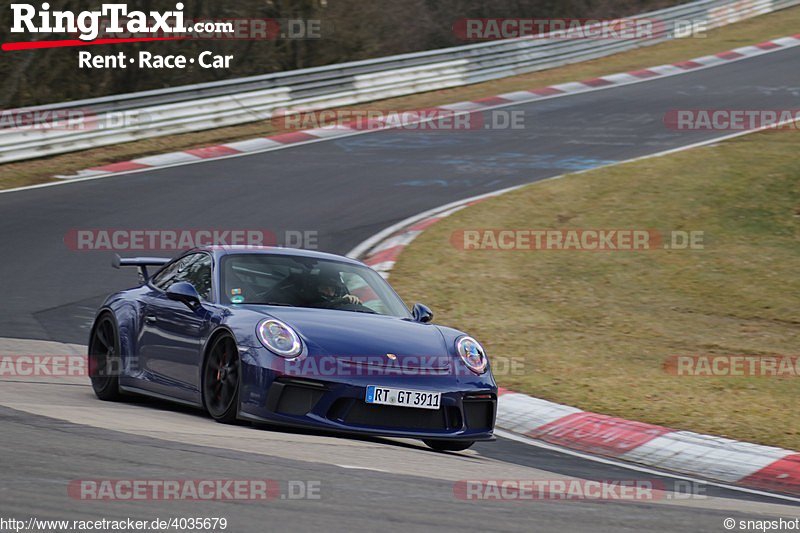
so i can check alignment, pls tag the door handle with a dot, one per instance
(150, 319)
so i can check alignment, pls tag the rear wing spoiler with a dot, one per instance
(141, 262)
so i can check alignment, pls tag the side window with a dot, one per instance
(198, 273)
(167, 276)
(194, 268)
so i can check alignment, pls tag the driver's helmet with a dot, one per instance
(329, 285)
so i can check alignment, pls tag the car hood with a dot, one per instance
(348, 334)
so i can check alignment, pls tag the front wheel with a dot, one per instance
(221, 380)
(449, 445)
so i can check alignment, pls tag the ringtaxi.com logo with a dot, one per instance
(623, 240)
(27, 19)
(116, 24)
(117, 21)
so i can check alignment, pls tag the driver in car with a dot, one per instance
(332, 292)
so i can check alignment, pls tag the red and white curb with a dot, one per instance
(717, 459)
(382, 249)
(284, 140)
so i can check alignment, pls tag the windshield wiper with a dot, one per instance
(276, 303)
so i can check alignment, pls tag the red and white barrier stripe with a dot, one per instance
(284, 140)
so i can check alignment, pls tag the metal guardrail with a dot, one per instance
(122, 118)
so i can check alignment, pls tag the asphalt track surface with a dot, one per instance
(346, 189)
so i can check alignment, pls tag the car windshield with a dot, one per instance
(300, 281)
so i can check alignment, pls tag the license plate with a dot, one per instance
(403, 397)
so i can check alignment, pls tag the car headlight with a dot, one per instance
(472, 353)
(279, 338)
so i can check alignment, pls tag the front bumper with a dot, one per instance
(468, 406)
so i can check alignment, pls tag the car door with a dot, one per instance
(171, 332)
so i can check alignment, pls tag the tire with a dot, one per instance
(448, 445)
(104, 361)
(221, 380)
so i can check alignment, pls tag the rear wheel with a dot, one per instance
(221, 380)
(448, 445)
(104, 362)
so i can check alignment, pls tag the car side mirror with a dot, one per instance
(422, 314)
(185, 292)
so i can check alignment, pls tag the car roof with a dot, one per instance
(220, 251)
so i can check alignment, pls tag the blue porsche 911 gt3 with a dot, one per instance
(291, 337)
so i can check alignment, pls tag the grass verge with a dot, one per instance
(751, 31)
(595, 328)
